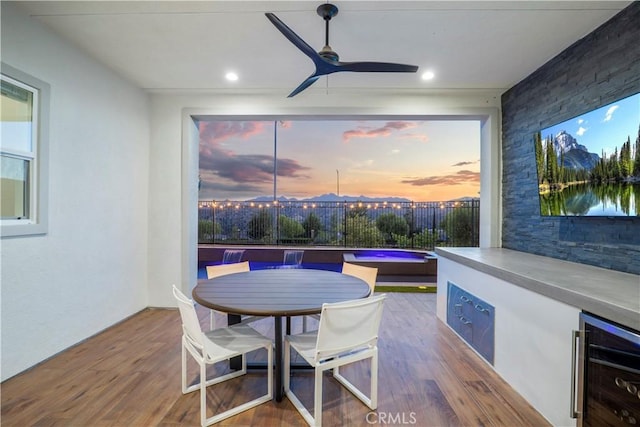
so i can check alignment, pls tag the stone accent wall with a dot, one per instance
(601, 68)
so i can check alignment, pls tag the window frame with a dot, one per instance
(38, 157)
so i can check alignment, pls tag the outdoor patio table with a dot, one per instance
(278, 293)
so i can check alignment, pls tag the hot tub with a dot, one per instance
(395, 262)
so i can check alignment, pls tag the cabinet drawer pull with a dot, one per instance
(464, 299)
(481, 308)
(457, 309)
(464, 321)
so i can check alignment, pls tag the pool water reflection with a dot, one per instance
(260, 265)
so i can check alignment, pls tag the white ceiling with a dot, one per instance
(183, 45)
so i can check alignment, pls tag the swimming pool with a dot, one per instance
(395, 262)
(261, 265)
(388, 256)
(390, 262)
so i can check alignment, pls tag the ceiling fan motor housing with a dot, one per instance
(329, 54)
(327, 11)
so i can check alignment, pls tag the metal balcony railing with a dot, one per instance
(415, 225)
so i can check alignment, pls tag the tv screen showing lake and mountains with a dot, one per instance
(590, 165)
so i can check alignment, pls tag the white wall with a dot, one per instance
(90, 270)
(173, 165)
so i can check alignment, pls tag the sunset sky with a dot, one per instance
(419, 160)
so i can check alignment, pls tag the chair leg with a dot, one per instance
(203, 394)
(287, 387)
(304, 323)
(374, 380)
(317, 398)
(184, 370)
(286, 372)
(270, 370)
(372, 400)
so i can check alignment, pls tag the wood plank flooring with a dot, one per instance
(129, 376)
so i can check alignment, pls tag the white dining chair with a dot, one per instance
(347, 333)
(368, 274)
(224, 269)
(208, 348)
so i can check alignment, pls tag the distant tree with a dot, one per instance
(599, 173)
(625, 159)
(362, 233)
(537, 139)
(260, 225)
(390, 224)
(460, 225)
(207, 230)
(636, 161)
(358, 210)
(312, 225)
(614, 165)
(335, 228)
(423, 240)
(411, 221)
(551, 168)
(289, 228)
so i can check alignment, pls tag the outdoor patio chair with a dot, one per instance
(368, 274)
(221, 270)
(208, 348)
(347, 333)
(231, 256)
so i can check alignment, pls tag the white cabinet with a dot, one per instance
(532, 337)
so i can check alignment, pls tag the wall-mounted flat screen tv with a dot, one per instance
(590, 165)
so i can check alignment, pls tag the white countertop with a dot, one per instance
(611, 294)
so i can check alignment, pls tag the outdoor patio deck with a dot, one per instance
(130, 375)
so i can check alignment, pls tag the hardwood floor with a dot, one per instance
(129, 376)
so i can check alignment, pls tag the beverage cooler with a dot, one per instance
(607, 374)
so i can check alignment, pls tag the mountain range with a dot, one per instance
(576, 156)
(332, 197)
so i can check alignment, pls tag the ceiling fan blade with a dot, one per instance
(376, 67)
(293, 37)
(326, 61)
(305, 84)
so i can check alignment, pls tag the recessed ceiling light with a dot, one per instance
(428, 75)
(231, 76)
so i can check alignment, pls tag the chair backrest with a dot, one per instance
(223, 269)
(231, 256)
(368, 274)
(292, 257)
(349, 325)
(190, 323)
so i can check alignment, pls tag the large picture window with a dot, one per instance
(23, 153)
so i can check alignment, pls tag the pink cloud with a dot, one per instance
(461, 177)
(217, 131)
(386, 130)
(240, 168)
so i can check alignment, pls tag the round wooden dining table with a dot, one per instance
(278, 293)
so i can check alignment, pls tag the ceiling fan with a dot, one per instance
(327, 61)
